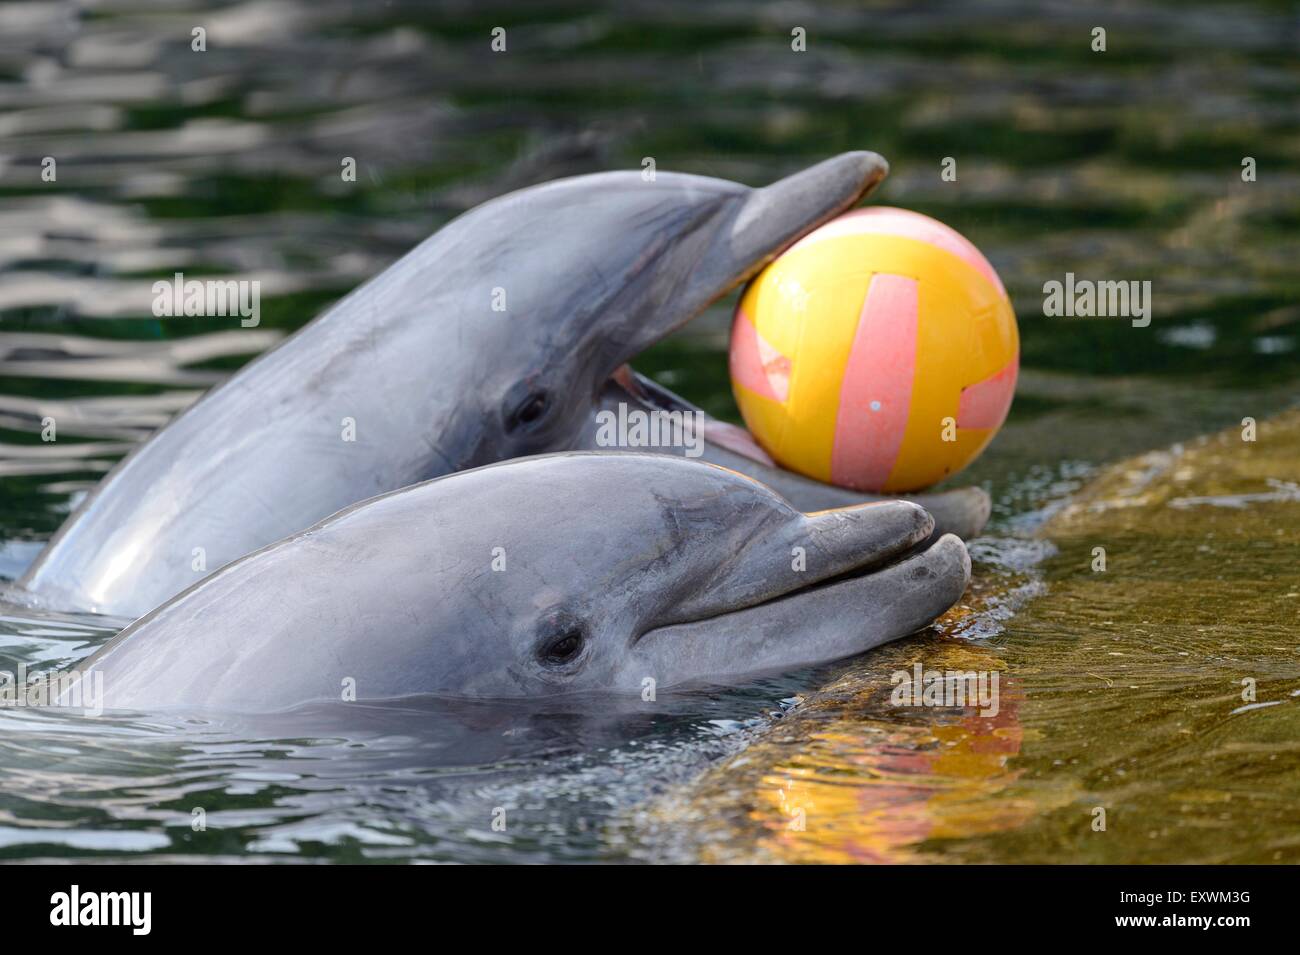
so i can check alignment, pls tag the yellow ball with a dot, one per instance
(880, 353)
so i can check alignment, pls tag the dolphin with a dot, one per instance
(490, 340)
(636, 571)
(962, 511)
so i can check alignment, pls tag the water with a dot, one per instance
(428, 780)
(1119, 165)
(1148, 711)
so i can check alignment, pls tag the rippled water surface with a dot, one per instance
(1121, 691)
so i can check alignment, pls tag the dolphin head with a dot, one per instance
(578, 572)
(489, 340)
(572, 278)
(646, 570)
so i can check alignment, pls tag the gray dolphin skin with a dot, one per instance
(961, 511)
(489, 341)
(631, 568)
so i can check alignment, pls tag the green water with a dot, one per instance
(1116, 165)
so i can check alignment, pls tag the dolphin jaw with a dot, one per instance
(817, 623)
(871, 563)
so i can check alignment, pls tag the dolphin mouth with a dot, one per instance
(879, 599)
(871, 565)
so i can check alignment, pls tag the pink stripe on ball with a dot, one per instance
(877, 391)
(985, 403)
(755, 364)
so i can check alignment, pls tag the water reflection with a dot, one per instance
(424, 779)
(858, 774)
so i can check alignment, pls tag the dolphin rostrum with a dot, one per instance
(635, 571)
(488, 341)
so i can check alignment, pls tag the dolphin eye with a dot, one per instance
(529, 411)
(562, 648)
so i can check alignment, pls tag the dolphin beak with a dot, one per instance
(774, 217)
(726, 241)
(865, 583)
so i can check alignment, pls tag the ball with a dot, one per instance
(878, 353)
